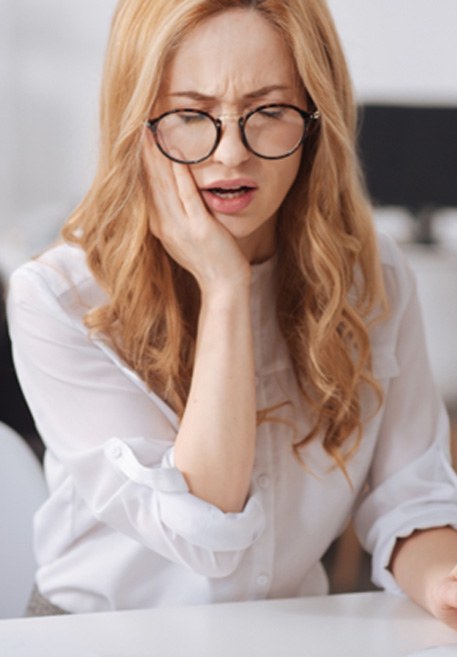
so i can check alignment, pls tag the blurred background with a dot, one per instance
(403, 58)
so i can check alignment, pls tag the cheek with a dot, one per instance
(285, 174)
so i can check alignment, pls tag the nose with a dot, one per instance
(231, 151)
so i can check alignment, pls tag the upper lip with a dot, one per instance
(236, 183)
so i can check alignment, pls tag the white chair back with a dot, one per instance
(22, 490)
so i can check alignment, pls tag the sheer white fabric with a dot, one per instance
(121, 529)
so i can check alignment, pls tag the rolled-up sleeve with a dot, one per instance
(411, 484)
(112, 437)
(420, 496)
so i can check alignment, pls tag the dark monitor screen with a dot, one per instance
(409, 155)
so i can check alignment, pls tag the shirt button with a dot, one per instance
(264, 481)
(263, 581)
(115, 452)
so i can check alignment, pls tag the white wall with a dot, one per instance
(51, 55)
(401, 50)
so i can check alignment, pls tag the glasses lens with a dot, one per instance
(274, 131)
(186, 135)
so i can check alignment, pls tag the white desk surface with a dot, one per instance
(352, 625)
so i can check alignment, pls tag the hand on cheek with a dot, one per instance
(185, 227)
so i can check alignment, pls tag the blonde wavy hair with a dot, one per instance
(329, 280)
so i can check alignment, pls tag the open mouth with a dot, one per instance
(229, 196)
(229, 193)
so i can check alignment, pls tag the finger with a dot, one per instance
(444, 600)
(176, 176)
(189, 193)
(167, 205)
(158, 166)
(449, 594)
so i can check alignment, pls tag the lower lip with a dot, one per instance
(228, 205)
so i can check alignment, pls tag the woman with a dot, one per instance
(224, 362)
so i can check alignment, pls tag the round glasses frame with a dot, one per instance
(309, 118)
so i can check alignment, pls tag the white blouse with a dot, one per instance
(121, 529)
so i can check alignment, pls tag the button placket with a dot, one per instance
(115, 452)
(261, 575)
(264, 481)
(263, 580)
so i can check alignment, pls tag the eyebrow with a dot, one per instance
(258, 93)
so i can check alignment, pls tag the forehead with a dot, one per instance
(230, 55)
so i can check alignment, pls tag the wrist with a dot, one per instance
(226, 292)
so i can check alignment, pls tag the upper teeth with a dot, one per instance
(227, 189)
(229, 193)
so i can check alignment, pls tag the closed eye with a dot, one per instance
(190, 118)
(271, 112)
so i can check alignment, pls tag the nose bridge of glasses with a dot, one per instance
(232, 117)
(236, 122)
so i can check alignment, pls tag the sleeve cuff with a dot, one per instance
(205, 525)
(196, 521)
(381, 575)
(160, 479)
(420, 497)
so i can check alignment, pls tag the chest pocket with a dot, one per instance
(385, 363)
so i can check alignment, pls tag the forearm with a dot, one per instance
(216, 442)
(423, 560)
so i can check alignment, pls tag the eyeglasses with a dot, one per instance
(271, 132)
